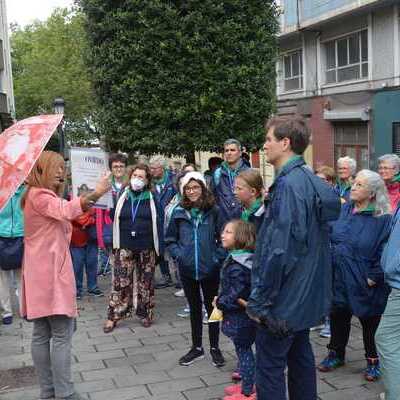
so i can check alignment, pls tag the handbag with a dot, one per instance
(11, 253)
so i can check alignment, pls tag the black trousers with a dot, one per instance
(209, 289)
(340, 332)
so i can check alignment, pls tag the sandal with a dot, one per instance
(109, 327)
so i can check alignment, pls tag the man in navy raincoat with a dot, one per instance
(223, 180)
(164, 191)
(292, 273)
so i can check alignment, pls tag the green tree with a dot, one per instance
(48, 62)
(177, 76)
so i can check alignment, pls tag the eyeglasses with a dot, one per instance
(385, 168)
(359, 185)
(193, 189)
(118, 166)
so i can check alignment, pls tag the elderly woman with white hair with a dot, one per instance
(388, 169)
(358, 238)
(346, 169)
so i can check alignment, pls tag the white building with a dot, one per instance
(7, 107)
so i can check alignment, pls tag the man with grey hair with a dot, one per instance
(164, 191)
(346, 169)
(388, 169)
(224, 179)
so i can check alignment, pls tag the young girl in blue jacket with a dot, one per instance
(192, 241)
(238, 237)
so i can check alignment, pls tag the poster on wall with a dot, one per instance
(87, 167)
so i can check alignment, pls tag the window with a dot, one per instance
(292, 71)
(347, 58)
(351, 139)
(396, 138)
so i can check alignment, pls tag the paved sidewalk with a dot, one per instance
(138, 363)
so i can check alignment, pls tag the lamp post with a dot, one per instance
(59, 106)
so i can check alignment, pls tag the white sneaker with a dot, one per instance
(382, 396)
(179, 293)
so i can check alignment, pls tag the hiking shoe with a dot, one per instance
(373, 371)
(193, 355)
(95, 292)
(331, 362)
(317, 328)
(8, 320)
(179, 293)
(241, 396)
(184, 313)
(217, 358)
(233, 389)
(326, 331)
(164, 282)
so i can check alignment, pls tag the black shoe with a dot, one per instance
(217, 358)
(96, 292)
(164, 282)
(193, 355)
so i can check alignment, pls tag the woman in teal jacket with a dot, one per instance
(11, 226)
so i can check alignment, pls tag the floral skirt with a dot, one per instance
(132, 284)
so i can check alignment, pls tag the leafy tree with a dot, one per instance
(48, 62)
(177, 76)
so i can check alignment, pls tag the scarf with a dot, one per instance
(251, 210)
(236, 252)
(163, 180)
(135, 196)
(196, 214)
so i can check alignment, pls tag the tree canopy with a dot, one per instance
(177, 76)
(48, 62)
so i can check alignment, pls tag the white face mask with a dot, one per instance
(137, 184)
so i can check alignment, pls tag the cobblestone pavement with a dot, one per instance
(138, 363)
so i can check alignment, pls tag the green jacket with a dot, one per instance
(12, 217)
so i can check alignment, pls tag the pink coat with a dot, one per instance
(48, 282)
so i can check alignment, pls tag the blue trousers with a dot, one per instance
(272, 357)
(246, 367)
(85, 258)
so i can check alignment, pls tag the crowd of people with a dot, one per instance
(316, 247)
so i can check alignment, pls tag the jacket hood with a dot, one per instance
(245, 259)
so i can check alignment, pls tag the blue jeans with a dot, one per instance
(85, 258)
(387, 339)
(272, 357)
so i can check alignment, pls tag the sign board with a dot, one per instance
(87, 167)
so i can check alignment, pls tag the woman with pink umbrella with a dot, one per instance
(48, 287)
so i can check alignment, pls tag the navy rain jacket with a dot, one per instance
(195, 246)
(162, 199)
(236, 284)
(292, 271)
(357, 243)
(222, 187)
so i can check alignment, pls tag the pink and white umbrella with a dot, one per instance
(20, 146)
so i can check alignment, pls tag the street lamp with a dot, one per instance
(59, 106)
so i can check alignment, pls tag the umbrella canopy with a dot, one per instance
(20, 146)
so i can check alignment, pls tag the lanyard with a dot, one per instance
(135, 211)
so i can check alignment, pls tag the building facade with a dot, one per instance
(7, 107)
(339, 66)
